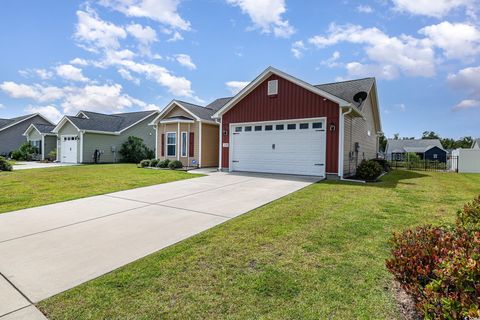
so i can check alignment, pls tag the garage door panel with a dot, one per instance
(299, 151)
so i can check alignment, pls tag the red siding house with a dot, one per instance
(281, 124)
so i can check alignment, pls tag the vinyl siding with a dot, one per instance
(184, 127)
(356, 130)
(12, 138)
(50, 144)
(210, 145)
(110, 145)
(34, 135)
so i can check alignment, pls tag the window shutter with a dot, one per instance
(163, 144)
(191, 147)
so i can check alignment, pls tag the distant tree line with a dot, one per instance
(447, 143)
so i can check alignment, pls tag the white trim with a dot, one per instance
(186, 144)
(134, 124)
(199, 144)
(43, 147)
(156, 141)
(341, 141)
(166, 144)
(27, 132)
(169, 107)
(178, 140)
(220, 146)
(277, 121)
(80, 139)
(264, 75)
(175, 121)
(81, 112)
(20, 121)
(61, 123)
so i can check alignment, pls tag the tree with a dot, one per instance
(430, 135)
(134, 150)
(26, 152)
(396, 136)
(382, 142)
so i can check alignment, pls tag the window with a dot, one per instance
(279, 127)
(268, 127)
(317, 125)
(272, 87)
(171, 144)
(291, 126)
(184, 144)
(248, 128)
(303, 125)
(258, 128)
(238, 129)
(435, 156)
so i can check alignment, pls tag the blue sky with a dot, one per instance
(58, 57)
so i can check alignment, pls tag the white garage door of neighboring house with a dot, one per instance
(68, 149)
(289, 147)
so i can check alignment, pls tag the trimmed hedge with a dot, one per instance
(369, 170)
(175, 165)
(5, 165)
(163, 163)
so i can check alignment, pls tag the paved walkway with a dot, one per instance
(50, 249)
(23, 165)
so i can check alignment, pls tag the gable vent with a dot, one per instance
(272, 87)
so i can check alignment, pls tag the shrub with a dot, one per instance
(145, 163)
(52, 155)
(175, 165)
(163, 163)
(440, 266)
(134, 150)
(5, 165)
(383, 163)
(369, 170)
(153, 162)
(25, 152)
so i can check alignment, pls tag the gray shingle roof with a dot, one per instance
(416, 145)
(44, 128)
(476, 141)
(206, 112)
(7, 122)
(347, 89)
(109, 123)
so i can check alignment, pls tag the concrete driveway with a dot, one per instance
(49, 249)
(24, 165)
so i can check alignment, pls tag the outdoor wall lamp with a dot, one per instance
(332, 127)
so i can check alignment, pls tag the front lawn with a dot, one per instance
(30, 188)
(316, 254)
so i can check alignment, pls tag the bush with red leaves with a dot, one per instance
(440, 266)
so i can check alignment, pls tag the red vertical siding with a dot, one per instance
(292, 102)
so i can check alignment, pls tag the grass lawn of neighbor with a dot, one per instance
(31, 188)
(318, 253)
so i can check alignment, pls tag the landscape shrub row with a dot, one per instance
(439, 267)
(5, 165)
(155, 163)
(370, 170)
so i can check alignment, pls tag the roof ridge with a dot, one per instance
(336, 82)
(193, 104)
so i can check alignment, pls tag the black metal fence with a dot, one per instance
(426, 165)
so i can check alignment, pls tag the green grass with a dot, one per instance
(30, 188)
(316, 254)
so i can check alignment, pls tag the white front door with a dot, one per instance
(68, 148)
(289, 147)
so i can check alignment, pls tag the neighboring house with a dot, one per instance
(187, 132)
(427, 149)
(42, 137)
(11, 131)
(91, 135)
(476, 144)
(281, 124)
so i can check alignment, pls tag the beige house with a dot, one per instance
(186, 132)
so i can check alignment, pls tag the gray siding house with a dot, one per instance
(11, 131)
(427, 149)
(42, 137)
(87, 135)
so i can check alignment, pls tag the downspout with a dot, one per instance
(178, 143)
(199, 144)
(81, 146)
(220, 147)
(43, 147)
(342, 142)
(155, 127)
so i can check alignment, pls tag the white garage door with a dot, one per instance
(68, 149)
(294, 147)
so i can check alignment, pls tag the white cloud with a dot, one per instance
(458, 40)
(235, 86)
(2, 106)
(125, 74)
(297, 49)
(71, 73)
(467, 104)
(432, 8)
(163, 11)
(95, 33)
(390, 55)
(79, 62)
(364, 9)
(50, 111)
(186, 61)
(266, 15)
(144, 35)
(35, 92)
(332, 61)
(41, 73)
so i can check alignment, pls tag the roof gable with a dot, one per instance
(7, 123)
(412, 145)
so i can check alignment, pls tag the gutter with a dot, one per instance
(341, 147)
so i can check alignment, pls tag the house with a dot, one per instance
(427, 149)
(187, 132)
(281, 124)
(11, 131)
(42, 137)
(92, 137)
(476, 144)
